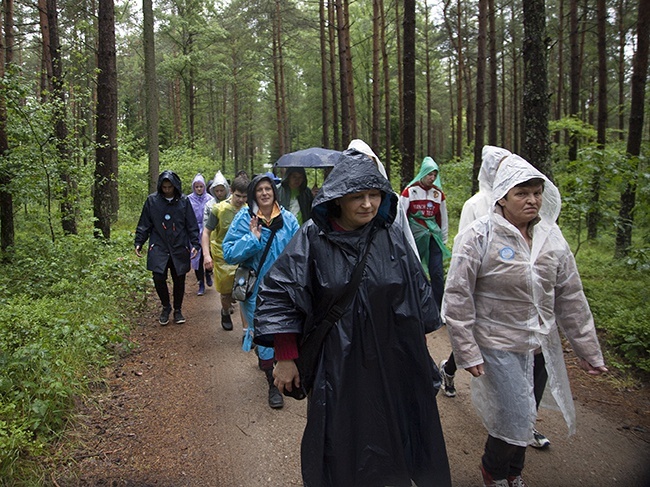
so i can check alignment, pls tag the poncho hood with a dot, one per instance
(219, 180)
(364, 148)
(491, 157)
(428, 165)
(354, 172)
(173, 178)
(515, 170)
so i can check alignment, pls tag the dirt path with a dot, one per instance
(188, 408)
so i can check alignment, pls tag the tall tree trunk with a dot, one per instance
(536, 97)
(7, 232)
(574, 103)
(516, 97)
(408, 130)
(350, 71)
(387, 114)
(46, 62)
(105, 197)
(459, 84)
(344, 74)
(332, 36)
(283, 88)
(635, 134)
(622, 85)
(594, 213)
(400, 74)
(279, 115)
(430, 147)
(325, 137)
(560, 69)
(191, 92)
(68, 198)
(494, 102)
(376, 81)
(479, 125)
(151, 95)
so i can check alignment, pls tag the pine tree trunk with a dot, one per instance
(7, 232)
(493, 102)
(376, 82)
(479, 125)
(635, 134)
(408, 130)
(325, 137)
(574, 102)
(151, 95)
(387, 114)
(536, 97)
(105, 196)
(594, 213)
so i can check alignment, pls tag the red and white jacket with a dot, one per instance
(431, 202)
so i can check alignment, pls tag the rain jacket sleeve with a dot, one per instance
(458, 307)
(572, 312)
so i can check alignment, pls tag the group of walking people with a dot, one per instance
(367, 263)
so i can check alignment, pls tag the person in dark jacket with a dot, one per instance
(294, 195)
(168, 222)
(372, 417)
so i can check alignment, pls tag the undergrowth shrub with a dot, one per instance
(63, 316)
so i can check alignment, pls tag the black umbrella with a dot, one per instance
(313, 157)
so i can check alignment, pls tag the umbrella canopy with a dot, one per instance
(312, 157)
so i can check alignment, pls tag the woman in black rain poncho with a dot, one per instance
(372, 418)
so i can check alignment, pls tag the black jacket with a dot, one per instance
(170, 226)
(372, 418)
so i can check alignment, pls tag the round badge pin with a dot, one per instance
(507, 253)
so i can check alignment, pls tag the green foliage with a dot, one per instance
(62, 316)
(618, 294)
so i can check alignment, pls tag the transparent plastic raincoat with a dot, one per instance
(504, 300)
(372, 418)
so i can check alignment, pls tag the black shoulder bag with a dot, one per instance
(310, 348)
(245, 277)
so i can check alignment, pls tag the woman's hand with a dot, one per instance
(286, 375)
(476, 370)
(256, 227)
(590, 369)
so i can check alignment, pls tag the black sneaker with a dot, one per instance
(179, 319)
(226, 322)
(164, 316)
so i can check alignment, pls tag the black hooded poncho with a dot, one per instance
(372, 418)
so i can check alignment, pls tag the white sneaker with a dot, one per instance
(447, 381)
(539, 440)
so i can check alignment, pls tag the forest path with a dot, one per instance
(189, 408)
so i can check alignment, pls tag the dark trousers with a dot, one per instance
(436, 272)
(503, 460)
(178, 282)
(200, 272)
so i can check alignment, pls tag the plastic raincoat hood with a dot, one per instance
(219, 180)
(491, 158)
(515, 170)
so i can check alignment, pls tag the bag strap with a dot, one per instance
(266, 251)
(311, 345)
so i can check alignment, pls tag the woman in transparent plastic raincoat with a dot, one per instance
(512, 283)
